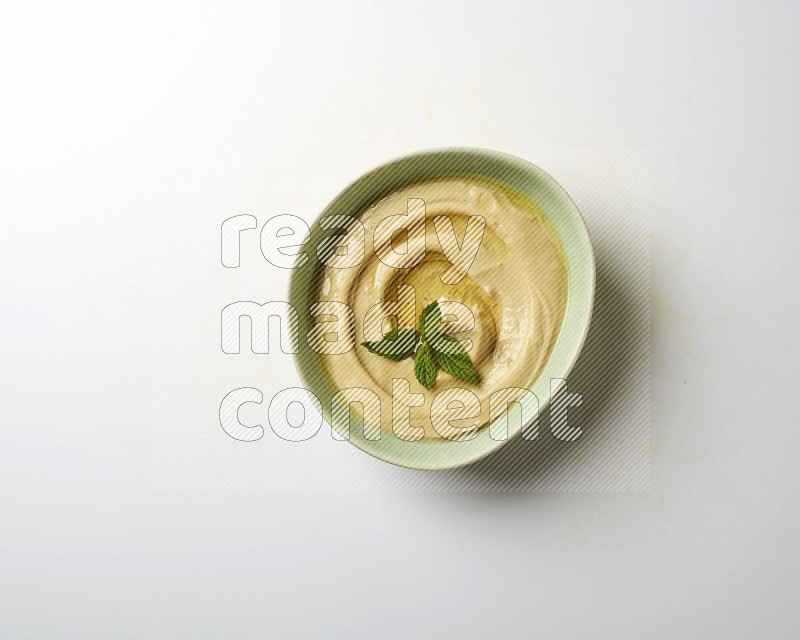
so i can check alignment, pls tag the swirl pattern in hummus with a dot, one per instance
(515, 289)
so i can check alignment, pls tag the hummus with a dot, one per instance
(505, 306)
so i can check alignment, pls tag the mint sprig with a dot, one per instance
(430, 349)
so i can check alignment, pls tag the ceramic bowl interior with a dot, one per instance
(568, 225)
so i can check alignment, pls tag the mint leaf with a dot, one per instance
(458, 366)
(396, 345)
(443, 343)
(430, 318)
(425, 366)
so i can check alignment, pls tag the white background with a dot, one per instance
(125, 132)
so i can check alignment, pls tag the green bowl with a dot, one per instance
(450, 162)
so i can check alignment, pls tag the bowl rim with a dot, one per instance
(299, 275)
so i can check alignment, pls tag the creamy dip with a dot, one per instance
(515, 289)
